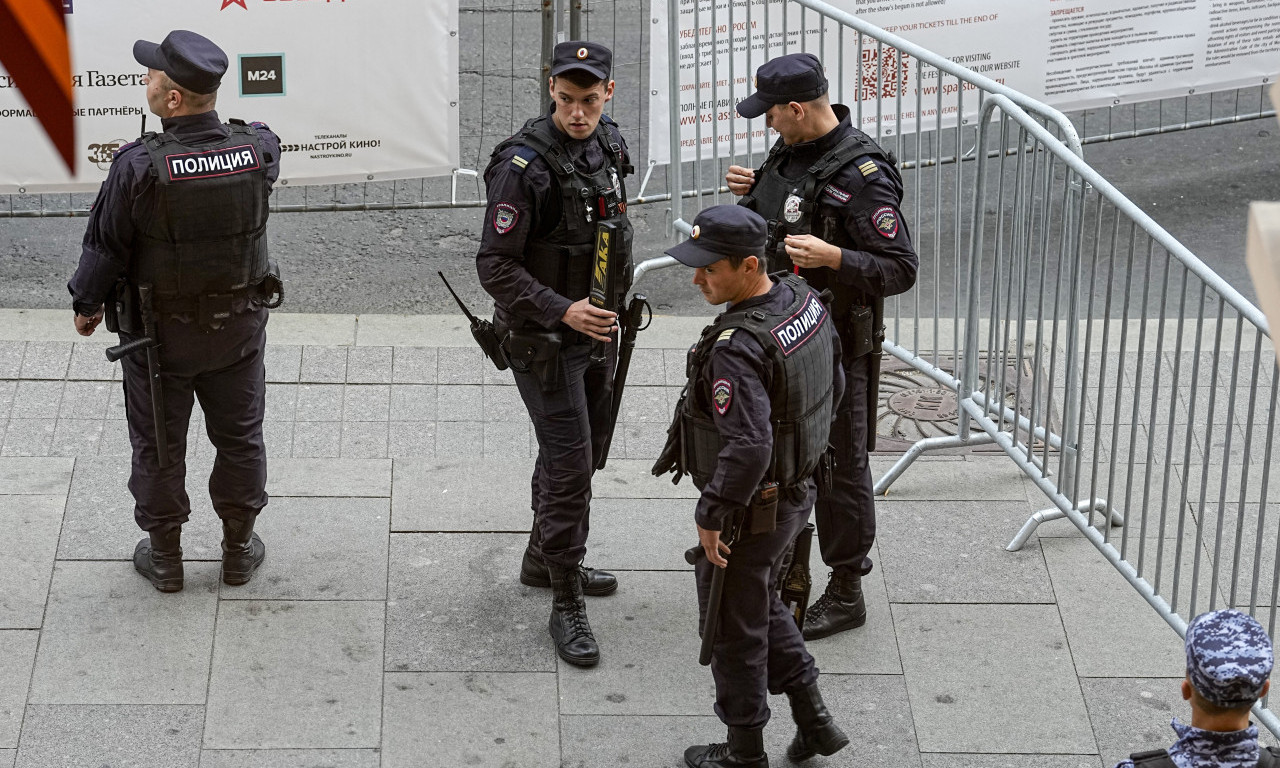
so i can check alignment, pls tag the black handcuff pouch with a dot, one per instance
(535, 351)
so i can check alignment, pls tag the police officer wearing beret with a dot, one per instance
(548, 187)
(179, 229)
(1229, 661)
(751, 428)
(831, 196)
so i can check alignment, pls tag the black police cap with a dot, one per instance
(580, 54)
(721, 231)
(794, 77)
(190, 60)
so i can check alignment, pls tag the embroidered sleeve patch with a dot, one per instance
(504, 217)
(838, 193)
(885, 220)
(722, 395)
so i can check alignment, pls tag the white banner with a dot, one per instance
(1070, 54)
(356, 89)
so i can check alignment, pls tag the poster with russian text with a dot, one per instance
(1068, 54)
(306, 68)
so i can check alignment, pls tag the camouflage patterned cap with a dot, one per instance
(1229, 657)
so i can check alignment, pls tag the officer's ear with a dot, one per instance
(608, 90)
(751, 263)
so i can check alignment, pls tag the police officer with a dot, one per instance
(548, 187)
(831, 197)
(1229, 660)
(751, 428)
(178, 232)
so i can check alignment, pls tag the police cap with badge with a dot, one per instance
(1229, 657)
(795, 77)
(722, 231)
(580, 54)
(192, 61)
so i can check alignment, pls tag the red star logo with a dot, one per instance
(226, 3)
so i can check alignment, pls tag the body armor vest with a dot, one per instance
(208, 231)
(563, 258)
(790, 206)
(799, 402)
(1268, 757)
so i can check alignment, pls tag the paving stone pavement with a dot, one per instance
(388, 628)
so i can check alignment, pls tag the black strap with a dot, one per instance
(1155, 758)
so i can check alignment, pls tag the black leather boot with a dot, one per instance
(744, 749)
(533, 573)
(159, 558)
(816, 731)
(569, 628)
(841, 607)
(242, 551)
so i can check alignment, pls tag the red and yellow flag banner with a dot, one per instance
(35, 52)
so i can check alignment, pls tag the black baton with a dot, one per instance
(151, 343)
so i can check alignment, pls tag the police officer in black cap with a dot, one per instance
(178, 235)
(751, 428)
(832, 198)
(548, 188)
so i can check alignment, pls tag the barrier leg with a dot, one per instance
(1053, 513)
(922, 447)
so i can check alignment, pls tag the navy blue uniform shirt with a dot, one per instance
(534, 195)
(126, 202)
(744, 426)
(885, 263)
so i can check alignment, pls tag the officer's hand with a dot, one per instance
(593, 321)
(739, 179)
(811, 252)
(86, 325)
(713, 546)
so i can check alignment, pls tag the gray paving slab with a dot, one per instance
(411, 439)
(278, 439)
(945, 760)
(321, 549)
(283, 362)
(46, 360)
(8, 757)
(37, 399)
(873, 709)
(414, 365)
(460, 402)
(1094, 599)
(968, 666)
(110, 638)
(115, 403)
(648, 635)
(1243, 521)
(296, 675)
(954, 552)
(317, 440)
(483, 620)
(323, 364)
(36, 475)
(648, 405)
(504, 404)
(17, 656)
(605, 741)
(329, 477)
(470, 718)
(282, 402)
(640, 534)
(114, 440)
(513, 440)
(413, 402)
(76, 437)
(1132, 714)
(28, 437)
(366, 402)
(631, 479)
(11, 353)
(319, 402)
(364, 440)
(461, 495)
(7, 390)
(460, 365)
(369, 365)
(31, 525)
(460, 439)
(85, 399)
(643, 441)
(99, 525)
(290, 758)
(116, 736)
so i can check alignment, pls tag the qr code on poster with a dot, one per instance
(884, 74)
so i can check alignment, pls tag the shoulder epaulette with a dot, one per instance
(522, 157)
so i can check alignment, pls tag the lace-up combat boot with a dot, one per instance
(744, 749)
(568, 625)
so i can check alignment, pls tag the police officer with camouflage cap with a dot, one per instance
(178, 235)
(751, 429)
(832, 197)
(548, 188)
(1229, 661)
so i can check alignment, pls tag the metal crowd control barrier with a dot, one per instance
(1149, 386)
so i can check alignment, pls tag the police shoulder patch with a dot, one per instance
(885, 220)
(505, 216)
(722, 395)
(839, 194)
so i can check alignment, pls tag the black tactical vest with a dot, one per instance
(208, 231)
(563, 258)
(790, 206)
(799, 403)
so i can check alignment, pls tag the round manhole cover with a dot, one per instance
(924, 403)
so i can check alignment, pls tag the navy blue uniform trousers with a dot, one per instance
(846, 515)
(225, 370)
(758, 648)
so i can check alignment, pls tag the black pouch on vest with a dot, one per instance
(860, 327)
(536, 352)
(122, 310)
(763, 511)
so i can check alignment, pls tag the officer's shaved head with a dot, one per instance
(200, 102)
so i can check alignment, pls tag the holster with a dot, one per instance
(859, 331)
(762, 513)
(272, 286)
(671, 458)
(535, 351)
(121, 309)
